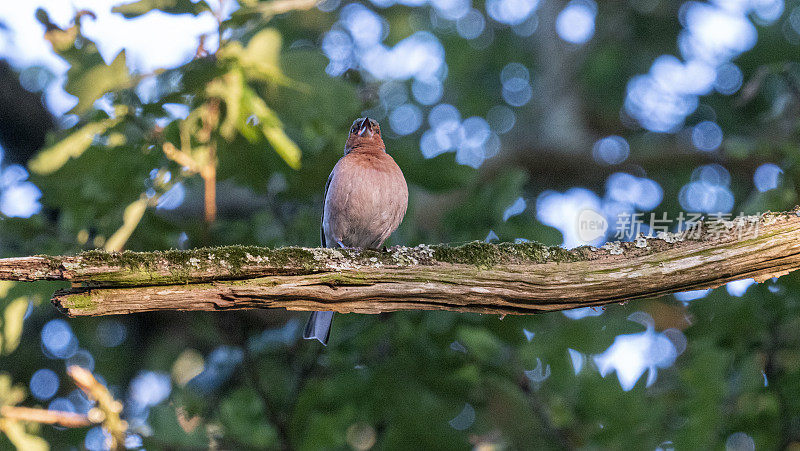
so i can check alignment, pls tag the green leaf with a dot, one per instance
(268, 9)
(5, 287)
(242, 103)
(136, 9)
(230, 88)
(244, 418)
(10, 395)
(284, 145)
(92, 79)
(16, 433)
(168, 431)
(54, 157)
(130, 219)
(189, 364)
(12, 323)
(272, 128)
(482, 343)
(260, 59)
(261, 56)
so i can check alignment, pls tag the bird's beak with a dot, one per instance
(365, 127)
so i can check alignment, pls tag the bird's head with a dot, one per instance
(365, 135)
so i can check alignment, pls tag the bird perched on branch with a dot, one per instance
(365, 200)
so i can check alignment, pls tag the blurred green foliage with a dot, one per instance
(266, 124)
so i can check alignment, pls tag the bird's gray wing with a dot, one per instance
(322, 219)
(319, 323)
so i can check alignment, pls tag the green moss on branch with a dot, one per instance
(483, 254)
(233, 259)
(102, 269)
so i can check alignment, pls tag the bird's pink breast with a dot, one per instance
(366, 200)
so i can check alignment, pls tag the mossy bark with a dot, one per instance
(476, 277)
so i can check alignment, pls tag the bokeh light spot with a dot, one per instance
(631, 355)
(510, 12)
(729, 79)
(501, 118)
(44, 384)
(514, 209)
(767, 177)
(405, 119)
(464, 419)
(539, 374)
(707, 136)
(611, 150)
(471, 25)
(58, 340)
(81, 358)
(98, 439)
(739, 441)
(149, 388)
(427, 91)
(575, 23)
(738, 288)
(111, 333)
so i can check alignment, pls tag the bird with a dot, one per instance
(365, 199)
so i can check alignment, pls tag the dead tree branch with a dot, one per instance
(477, 277)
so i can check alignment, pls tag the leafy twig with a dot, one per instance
(45, 416)
(109, 408)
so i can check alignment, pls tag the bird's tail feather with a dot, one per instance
(319, 327)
